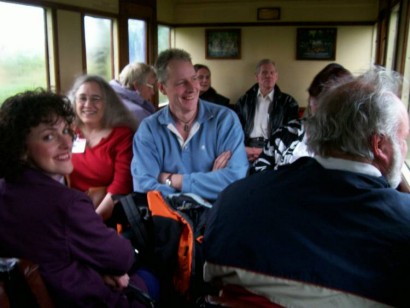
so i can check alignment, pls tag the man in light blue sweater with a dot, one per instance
(190, 146)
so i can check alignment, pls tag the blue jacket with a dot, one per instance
(156, 149)
(329, 229)
(133, 101)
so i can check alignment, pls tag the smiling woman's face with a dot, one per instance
(49, 148)
(90, 104)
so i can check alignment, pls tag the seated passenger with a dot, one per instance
(288, 142)
(82, 262)
(327, 231)
(190, 146)
(206, 92)
(102, 151)
(264, 108)
(136, 87)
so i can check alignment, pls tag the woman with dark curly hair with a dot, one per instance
(83, 262)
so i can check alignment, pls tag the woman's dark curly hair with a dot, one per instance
(18, 115)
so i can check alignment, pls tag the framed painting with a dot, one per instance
(223, 43)
(316, 44)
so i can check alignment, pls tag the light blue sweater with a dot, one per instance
(156, 149)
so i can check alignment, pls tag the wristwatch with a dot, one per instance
(168, 181)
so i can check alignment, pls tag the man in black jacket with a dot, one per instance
(264, 108)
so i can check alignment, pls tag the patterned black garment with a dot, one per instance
(279, 149)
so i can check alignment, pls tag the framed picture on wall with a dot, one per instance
(316, 44)
(222, 43)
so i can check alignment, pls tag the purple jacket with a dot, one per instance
(133, 101)
(56, 227)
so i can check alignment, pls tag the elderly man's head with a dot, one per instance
(363, 120)
(266, 75)
(140, 77)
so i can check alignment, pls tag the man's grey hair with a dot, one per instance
(263, 62)
(167, 56)
(349, 114)
(135, 72)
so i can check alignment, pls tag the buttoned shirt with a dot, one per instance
(261, 120)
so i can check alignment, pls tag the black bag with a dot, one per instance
(134, 216)
(168, 234)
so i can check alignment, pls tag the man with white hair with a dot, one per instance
(331, 230)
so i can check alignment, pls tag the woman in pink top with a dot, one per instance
(102, 151)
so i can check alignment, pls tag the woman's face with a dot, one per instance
(204, 77)
(89, 105)
(49, 148)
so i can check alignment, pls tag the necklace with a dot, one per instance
(187, 124)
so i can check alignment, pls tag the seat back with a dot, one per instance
(21, 285)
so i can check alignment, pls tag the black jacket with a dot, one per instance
(283, 109)
(213, 97)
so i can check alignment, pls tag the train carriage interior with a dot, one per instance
(50, 43)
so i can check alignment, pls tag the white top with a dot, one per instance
(261, 119)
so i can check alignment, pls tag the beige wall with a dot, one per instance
(233, 77)
(354, 50)
(217, 11)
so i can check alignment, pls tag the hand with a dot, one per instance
(176, 179)
(117, 282)
(106, 207)
(222, 160)
(253, 153)
(163, 176)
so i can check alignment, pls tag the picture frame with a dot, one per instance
(316, 43)
(222, 43)
(268, 13)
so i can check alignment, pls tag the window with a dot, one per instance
(137, 40)
(164, 42)
(164, 33)
(23, 63)
(98, 46)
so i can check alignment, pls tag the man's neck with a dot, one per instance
(183, 116)
(265, 91)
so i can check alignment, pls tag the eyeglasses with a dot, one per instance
(151, 86)
(94, 99)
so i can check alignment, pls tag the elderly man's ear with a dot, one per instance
(136, 86)
(383, 152)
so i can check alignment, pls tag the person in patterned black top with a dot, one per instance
(288, 142)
